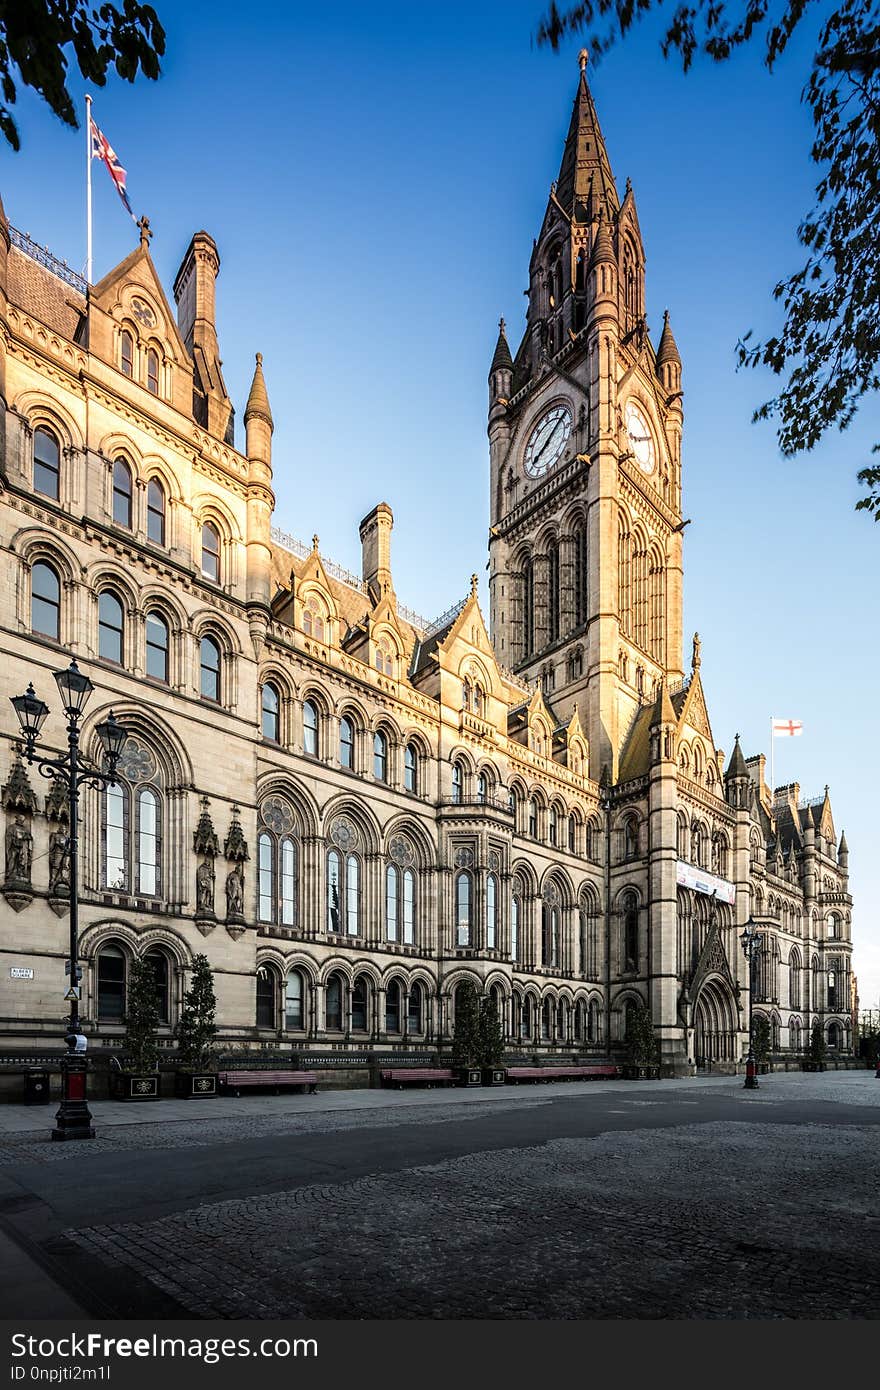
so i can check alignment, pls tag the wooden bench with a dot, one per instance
(237, 1081)
(585, 1073)
(417, 1076)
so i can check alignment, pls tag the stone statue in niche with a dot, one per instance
(19, 852)
(205, 879)
(59, 862)
(235, 893)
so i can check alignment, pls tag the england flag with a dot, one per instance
(790, 728)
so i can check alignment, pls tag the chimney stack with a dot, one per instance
(375, 532)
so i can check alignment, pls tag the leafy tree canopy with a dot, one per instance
(828, 350)
(35, 33)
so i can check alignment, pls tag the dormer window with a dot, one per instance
(126, 353)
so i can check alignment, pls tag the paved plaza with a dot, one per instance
(691, 1199)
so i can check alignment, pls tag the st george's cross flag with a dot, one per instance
(102, 149)
(790, 727)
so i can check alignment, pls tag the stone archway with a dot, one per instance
(716, 1027)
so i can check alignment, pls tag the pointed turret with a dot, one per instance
(259, 426)
(667, 350)
(501, 370)
(737, 765)
(585, 172)
(603, 246)
(663, 727)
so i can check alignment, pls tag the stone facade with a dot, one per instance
(349, 809)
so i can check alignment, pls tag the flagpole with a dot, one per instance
(772, 760)
(88, 189)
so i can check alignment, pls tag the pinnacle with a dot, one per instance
(501, 359)
(258, 400)
(667, 349)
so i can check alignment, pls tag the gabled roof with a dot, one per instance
(137, 267)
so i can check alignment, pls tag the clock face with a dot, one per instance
(143, 313)
(547, 441)
(641, 441)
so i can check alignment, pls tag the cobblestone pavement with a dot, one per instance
(717, 1220)
(659, 1200)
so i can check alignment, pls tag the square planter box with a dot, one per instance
(134, 1085)
(470, 1076)
(193, 1085)
(494, 1076)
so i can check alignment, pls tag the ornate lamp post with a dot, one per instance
(73, 1120)
(751, 940)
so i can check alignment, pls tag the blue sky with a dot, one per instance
(374, 177)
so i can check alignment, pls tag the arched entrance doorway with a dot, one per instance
(716, 1027)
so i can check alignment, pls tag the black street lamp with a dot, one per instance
(751, 940)
(73, 1120)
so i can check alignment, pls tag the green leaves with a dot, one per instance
(828, 350)
(35, 33)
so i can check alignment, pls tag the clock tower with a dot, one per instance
(585, 427)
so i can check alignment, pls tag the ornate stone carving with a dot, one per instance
(235, 894)
(235, 845)
(464, 857)
(204, 837)
(18, 794)
(205, 880)
(494, 861)
(59, 863)
(19, 854)
(57, 808)
(137, 763)
(344, 834)
(277, 814)
(206, 844)
(401, 851)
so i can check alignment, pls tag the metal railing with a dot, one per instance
(43, 256)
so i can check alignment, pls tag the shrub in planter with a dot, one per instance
(491, 1043)
(761, 1043)
(197, 1072)
(138, 1077)
(817, 1047)
(643, 1051)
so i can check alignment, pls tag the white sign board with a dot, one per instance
(686, 876)
(20, 972)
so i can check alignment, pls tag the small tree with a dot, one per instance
(140, 1045)
(761, 1040)
(196, 1029)
(491, 1035)
(817, 1043)
(640, 1039)
(466, 1034)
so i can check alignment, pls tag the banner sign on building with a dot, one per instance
(686, 876)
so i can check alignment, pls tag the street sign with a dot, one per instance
(79, 970)
(73, 993)
(20, 972)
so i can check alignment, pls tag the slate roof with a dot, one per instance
(41, 294)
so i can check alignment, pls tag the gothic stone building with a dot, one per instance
(349, 809)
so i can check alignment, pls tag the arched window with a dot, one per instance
(346, 742)
(126, 353)
(288, 882)
(294, 1001)
(359, 1005)
(594, 841)
(122, 494)
(457, 784)
(343, 897)
(110, 627)
(409, 907)
(593, 1033)
(157, 646)
(267, 995)
(526, 1017)
(581, 579)
(47, 464)
(392, 882)
(148, 842)
(211, 552)
(794, 980)
(271, 708)
(111, 984)
(491, 912)
(630, 911)
(631, 838)
(515, 908)
(155, 512)
(579, 1018)
(561, 1022)
(392, 1007)
(553, 593)
(45, 601)
(528, 591)
(572, 834)
(153, 371)
(414, 1009)
(832, 925)
(159, 961)
(547, 1020)
(549, 934)
(463, 909)
(310, 728)
(533, 819)
(334, 997)
(481, 789)
(410, 768)
(380, 757)
(209, 659)
(313, 618)
(554, 826)
(116, 837)
(265, 878)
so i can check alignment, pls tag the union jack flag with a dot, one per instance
(103, 150)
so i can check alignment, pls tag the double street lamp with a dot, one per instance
(751, 940)
(73, 1120)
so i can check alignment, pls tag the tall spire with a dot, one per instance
(585, 159)
(258, 400)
